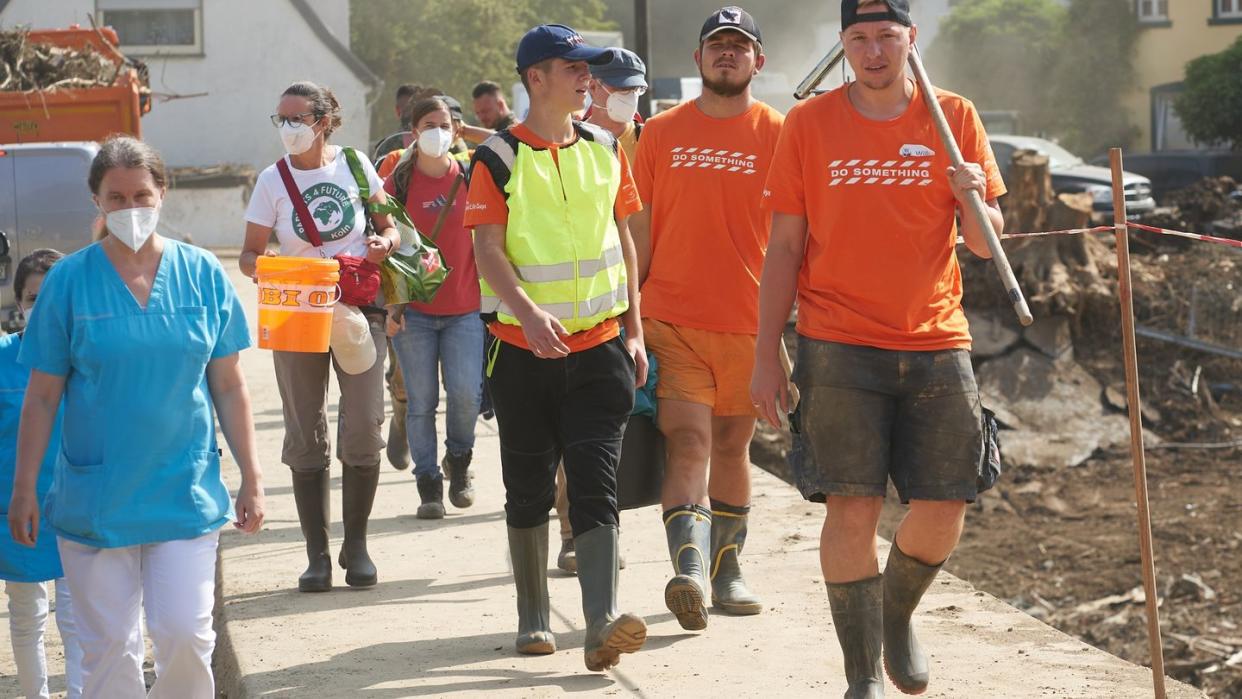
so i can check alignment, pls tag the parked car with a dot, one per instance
(1175, 169)
(1071, 173)
(44, 203)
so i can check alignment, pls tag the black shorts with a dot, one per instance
(867, 415)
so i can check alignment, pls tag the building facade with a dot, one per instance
(1171, 34)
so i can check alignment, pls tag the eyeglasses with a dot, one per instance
(295, 120)
(636, 91)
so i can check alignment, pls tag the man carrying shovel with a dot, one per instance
(863, 202)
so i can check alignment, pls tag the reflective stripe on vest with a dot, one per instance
(561, 238)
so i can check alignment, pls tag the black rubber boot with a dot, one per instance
(608, 633)
(528, 548)
(310, 493)
(398, 444)
(729, 591)
(358, 484)
(689, 531)
(567, 559)
(905, 581)
(431, 492)
(857, 614)
(457, 468)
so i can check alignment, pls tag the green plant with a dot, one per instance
(1210, 105)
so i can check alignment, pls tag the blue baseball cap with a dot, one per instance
(620, 68)
(554, 41)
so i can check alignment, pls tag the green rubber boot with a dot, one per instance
(857, 614)
(310, 494)
(358, 484)
(529, 550)
(905, 581)
(729, 591)
(609, 633)
(689, 531)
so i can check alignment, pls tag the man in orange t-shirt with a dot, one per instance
(863, 201)
(700, 170)
(560, 396)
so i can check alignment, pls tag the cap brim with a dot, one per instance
(620, 81)
(585, 53)
(739, 30)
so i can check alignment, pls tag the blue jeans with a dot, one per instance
(428, 347)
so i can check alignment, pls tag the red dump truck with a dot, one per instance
(75, 113)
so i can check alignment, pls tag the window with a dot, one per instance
(1152, 11)
(155, 26)
(1227, 9)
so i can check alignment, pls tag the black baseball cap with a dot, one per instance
(554, 41)
(731, 18)
(897, 11)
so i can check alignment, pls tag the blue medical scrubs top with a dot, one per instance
(138, 461)
(19, 563)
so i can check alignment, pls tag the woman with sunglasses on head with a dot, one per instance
(140, 336)
(330, 180)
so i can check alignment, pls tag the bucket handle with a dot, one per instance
(333, 302)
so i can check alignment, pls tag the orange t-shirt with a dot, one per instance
(702, 179)
(486, 205)
(880, 267)
(388, 163)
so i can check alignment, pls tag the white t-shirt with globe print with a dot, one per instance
(331, 194)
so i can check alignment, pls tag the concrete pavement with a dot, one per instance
(442, 619)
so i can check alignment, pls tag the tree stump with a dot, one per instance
(1030, 192)
(1060, 274)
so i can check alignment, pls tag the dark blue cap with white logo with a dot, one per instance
(553, 41)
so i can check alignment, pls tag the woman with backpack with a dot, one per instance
(316, 199)
(443, 337)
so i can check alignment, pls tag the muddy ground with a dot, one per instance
(1063, 545)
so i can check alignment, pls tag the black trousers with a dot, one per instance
(572, 409)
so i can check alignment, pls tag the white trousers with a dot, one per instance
(174, 583)
(28, 610)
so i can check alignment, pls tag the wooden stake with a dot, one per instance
(1134, 408)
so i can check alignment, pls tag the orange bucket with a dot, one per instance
(296, 295)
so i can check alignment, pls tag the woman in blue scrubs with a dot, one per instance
(140, 336)
(26, 571)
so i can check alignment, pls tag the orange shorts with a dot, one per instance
(702, 366)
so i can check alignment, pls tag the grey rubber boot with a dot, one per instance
(398, 444)
(310, 493)
(567, 559)
(857, 614)
(358, 484)
(905, 581)
(729, 591)
(431, 493)
(529, 550)
(608, 633)
(689, 531)
(457, 468)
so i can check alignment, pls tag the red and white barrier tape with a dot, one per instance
(1108, 229)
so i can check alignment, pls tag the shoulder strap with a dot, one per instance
(497, 154)
(449, 203)
(355, 166)
(299, 204)
(591, 132)
(638, 129)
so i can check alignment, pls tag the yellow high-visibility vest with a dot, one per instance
(561, 237)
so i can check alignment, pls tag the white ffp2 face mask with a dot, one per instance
(298, 138)
(133, 227)
(621, 106)
(434, 141)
